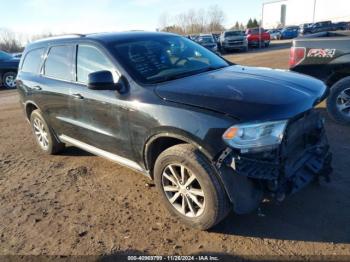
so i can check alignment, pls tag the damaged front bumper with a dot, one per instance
(302, 157)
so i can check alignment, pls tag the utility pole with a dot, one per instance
(261, 23)
(314, 14)
(262, 15)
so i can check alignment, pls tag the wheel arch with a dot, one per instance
(336, 77)
(30, 106)
(159, 142)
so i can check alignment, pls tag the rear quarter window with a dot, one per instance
(33, 60)
(59, 63)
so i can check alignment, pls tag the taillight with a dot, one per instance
(297, 55)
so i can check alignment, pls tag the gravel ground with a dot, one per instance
(79, 204)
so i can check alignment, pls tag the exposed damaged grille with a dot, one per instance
(302, 155)
(302, 132)
(257, 169)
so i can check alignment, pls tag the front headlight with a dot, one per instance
(255, 136)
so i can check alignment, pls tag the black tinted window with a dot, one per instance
(32, 61)
(59, 62)
(90, 60)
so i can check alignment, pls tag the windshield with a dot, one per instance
(234, 33)
(4, 55)
(206, 39)
(163, 58)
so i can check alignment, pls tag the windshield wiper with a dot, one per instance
(187, 73)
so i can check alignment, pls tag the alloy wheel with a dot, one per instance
(41, 133)
(343, 102)
(183, 190)
(10, 81)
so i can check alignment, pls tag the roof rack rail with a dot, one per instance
(77, 34)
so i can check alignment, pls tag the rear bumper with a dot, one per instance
(302, 157)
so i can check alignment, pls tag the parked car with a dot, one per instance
(304, 27)
(8, 70)
(290, 32)
(216, 37)
(275, 34)
(193, 37)
(326, 56)
(208, 41)
(258, 37)
(233, 40)
(342, 26)
(213, 135)
(318, 27)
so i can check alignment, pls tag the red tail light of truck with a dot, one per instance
(297, 55)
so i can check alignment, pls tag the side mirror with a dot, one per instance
(101, 80)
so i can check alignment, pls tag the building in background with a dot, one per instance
(296, 12)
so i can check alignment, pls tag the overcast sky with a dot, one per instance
(84, 16)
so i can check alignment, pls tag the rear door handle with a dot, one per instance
(77, 96)
(38, 88)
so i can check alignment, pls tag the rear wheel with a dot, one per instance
(189, 187)
(9, 80)
(338, 102)
(44, 135)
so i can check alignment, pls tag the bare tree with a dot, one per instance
(163, 21)
(9, 41)
(194, 21)
(216, 18)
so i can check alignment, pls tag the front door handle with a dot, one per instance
(77, 96)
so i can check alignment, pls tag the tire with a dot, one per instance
(9, 80)
(215, 201)
(339, 90)
(48, 142)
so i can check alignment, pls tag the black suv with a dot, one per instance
(212, 135)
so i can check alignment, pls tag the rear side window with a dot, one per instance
(89, 60)
(59, 63)
(32, 61)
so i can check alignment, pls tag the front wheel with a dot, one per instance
(9, 80)
(189, 187)
(338, 102)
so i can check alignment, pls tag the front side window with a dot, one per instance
(32, 61)
(89, 60)
(59, 62)
(164, 58)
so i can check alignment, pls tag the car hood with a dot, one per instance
(246, 93)
(12, 61)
